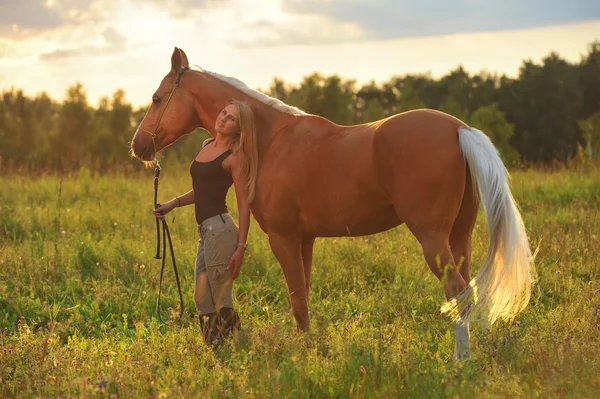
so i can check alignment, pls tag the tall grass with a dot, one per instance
(78, 288)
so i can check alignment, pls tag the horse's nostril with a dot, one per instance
(143, 151)
(138, 150)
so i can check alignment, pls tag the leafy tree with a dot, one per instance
(309, 95)
(456, 89)
(542, 104)
(426, 87)
(278, 89)
(452, 107)
(373, 111)
(371, 94)
(338, 99)
(545, 114)
(8, 144)
(330, 97)
(591, 129)
(121, 126)
(589, 81)
(409, 99)
(19, 132)
(490, 120)
(44, 113)
(73, 128)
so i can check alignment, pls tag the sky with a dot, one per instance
(49, 45)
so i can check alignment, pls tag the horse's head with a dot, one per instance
(171, 115)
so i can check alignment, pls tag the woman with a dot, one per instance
(230, 158)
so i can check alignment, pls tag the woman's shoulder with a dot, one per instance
(208, 141)
(231, 161)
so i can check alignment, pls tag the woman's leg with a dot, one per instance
(204, 300)
(202, 292)
(221, 243)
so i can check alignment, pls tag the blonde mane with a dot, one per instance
(263, 98)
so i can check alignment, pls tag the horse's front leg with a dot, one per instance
(307, 257)
(287, 249)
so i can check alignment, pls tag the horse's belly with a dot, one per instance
(360, 223)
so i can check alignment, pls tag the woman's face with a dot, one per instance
(227, 123)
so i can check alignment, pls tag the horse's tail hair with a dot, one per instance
(503, 286)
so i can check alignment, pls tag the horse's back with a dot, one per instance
(418, 125)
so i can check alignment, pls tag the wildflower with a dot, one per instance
(102, 383)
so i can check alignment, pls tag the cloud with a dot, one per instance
(53, 30)
(3, 49)
(114, 42)
(20, 19)
(29, 14)
(183, 8)
(301, 30)
(196, 4)
(83, 51)
(61, 54)
(113, 37)
(393, 18)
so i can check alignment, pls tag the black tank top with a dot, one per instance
(211, 183)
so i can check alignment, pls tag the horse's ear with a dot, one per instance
(184, 60)
(178, 60)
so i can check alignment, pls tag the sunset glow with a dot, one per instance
(108, 44)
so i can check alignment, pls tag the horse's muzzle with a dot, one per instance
(142, 146)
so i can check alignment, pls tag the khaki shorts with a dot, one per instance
(218, 241)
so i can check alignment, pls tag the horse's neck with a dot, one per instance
(213, 94)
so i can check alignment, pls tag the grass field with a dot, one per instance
(78, 289)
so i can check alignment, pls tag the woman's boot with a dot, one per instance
(229, 321)
(209, 324)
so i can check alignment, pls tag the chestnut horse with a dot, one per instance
(319, 179)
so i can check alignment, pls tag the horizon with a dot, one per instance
(106, 45)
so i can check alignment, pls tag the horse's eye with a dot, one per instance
(155, 99)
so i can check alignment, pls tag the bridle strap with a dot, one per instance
(162, 112)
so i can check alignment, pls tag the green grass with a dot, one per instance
(78, 289)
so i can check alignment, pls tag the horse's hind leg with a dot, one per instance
(460, 245)
(307, 257)
(287, 250)
(462, 229)
(436, 248)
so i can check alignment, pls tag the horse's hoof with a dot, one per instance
(462, 356)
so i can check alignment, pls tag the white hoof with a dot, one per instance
(463, 349)
(461, 356)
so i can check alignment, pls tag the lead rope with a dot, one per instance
(165, 230)
(166, 236)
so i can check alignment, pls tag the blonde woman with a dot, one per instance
(229, 158)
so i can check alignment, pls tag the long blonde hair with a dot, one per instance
(246, 147)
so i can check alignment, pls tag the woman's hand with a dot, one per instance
(235, 263)
(163, 209)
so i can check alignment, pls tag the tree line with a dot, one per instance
(550, 112)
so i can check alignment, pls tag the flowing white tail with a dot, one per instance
(503, 286)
